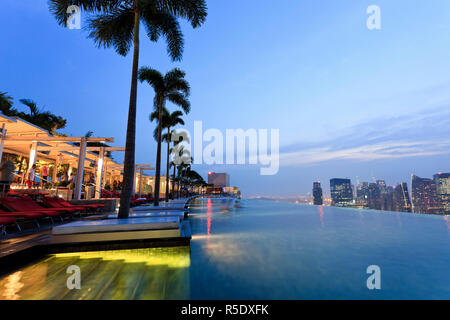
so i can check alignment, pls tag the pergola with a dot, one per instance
(141, 169)
(25, 139)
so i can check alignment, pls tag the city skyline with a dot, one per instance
(354, 103)
(424, 195)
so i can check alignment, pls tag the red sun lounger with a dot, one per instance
(26, 204)
(66, 204)
(4, 221)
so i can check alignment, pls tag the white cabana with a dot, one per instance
(28, 140)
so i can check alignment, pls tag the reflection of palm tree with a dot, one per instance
(116, 24)
(169, 87)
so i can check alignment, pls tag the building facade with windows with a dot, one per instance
(442, 181)
(317, 194)
(341, 192)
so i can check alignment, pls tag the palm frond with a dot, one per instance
(180, 100)
(153, 77)
(59, 7)
(114, 29)
(34, 110)
(161, 23)
(6, 103)
(195, 11)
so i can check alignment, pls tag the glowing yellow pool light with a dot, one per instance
(175, 257)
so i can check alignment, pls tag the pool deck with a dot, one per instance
(161, 226)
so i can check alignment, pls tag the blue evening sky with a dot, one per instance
(348, 101)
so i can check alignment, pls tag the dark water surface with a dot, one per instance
(261, 250)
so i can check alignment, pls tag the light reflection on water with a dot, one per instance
(268, 250)
(261, 250)
(148, 274)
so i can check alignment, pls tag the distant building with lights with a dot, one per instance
(442, 181)
(423, 195)
(317, 194)
(401, 201)
(341, 192)
(362, 193)
(218, 180)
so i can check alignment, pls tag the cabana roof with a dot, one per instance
(21, 135)
(26, 139)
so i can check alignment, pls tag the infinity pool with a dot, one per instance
(261, 250)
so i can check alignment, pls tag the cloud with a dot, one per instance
(422, 134)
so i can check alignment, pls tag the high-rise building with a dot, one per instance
(374, 199)
(218, 180)
(388, 198)
(384, 199)
(442, 181)
(401, 201)
(423, 195)
(362, 193)
(341, 192)
(317, 193)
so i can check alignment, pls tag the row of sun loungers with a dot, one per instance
(24, 209)
(144, 222)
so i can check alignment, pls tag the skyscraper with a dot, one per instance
(317, 193)
(442, 181)
(388, 198)
(423, 195)
(374, 198)
(219, 180)
(362, 193)
(401, 198)
(341, 192)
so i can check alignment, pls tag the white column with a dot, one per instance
(2, 141)
(141, 172)
(80, 169)
(55, 171)
(134, 181)
(105, 172)
(33, 152)
(99, 177)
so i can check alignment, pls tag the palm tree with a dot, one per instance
(116, 23)
(169, 122)
(89, 134)
(183, 169)
(173, 164)
(169, 87)
(195, 179)
(6, 103)
(41, 118)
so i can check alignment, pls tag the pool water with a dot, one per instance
(261, 250)
(270, 250)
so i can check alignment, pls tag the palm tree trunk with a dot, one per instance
(179, 181)
(20, 168)
(129, 164)
(167, 169)
(173, 179)
(158, 156)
